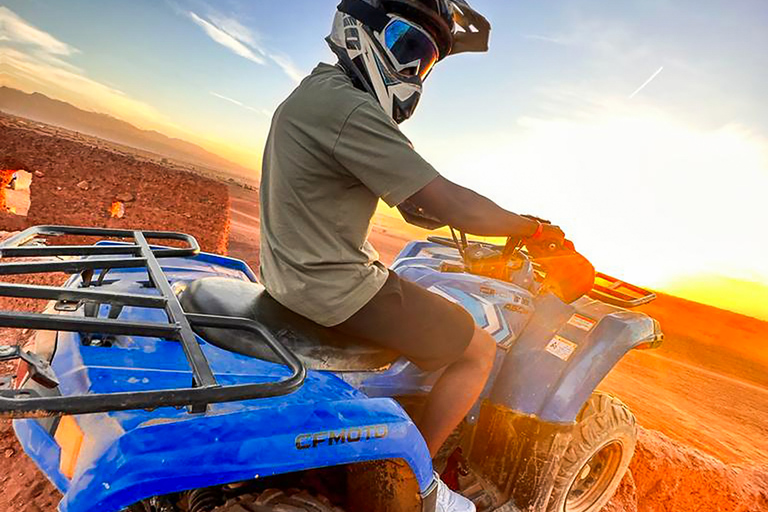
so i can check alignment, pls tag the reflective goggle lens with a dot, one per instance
(409, 45)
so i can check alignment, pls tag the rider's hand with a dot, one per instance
(548, 237)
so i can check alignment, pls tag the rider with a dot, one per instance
(335, 149)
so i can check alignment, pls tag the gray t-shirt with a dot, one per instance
(332, 152)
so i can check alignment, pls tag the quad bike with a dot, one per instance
(164, 379)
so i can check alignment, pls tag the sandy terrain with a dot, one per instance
(244, 225)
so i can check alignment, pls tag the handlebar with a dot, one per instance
(558, 268)
(562, 269)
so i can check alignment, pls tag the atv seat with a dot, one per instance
(320, 348)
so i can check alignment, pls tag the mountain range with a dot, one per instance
(39, 107)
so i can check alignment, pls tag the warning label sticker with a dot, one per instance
(582, 322)
(561, 347)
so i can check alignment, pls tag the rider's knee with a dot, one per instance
(483, 348)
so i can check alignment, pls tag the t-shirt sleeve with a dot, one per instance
(373, 149)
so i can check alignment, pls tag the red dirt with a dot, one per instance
(707, 386)
(22, 487)
(667, 476)
(158, 198)
(76, 183)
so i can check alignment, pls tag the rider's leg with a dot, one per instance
(457, 390)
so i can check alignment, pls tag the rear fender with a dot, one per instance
(162, 457)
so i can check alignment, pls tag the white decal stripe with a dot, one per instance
(438, 291)
(494, 324)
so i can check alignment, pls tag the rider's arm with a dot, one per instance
(470, 212)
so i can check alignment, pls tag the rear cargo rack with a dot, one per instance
(86, 261)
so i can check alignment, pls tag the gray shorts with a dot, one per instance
(427, 329)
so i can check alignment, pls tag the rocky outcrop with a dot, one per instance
(76, 183)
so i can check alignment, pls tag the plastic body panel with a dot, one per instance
(41, 448)
(130, 456)
(502, 309)
(531, 379)
(163, 455)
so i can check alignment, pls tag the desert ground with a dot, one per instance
(702, 398)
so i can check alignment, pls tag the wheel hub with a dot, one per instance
(594, 478)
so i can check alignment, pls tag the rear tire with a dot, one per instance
(597, 457)
(278, 500)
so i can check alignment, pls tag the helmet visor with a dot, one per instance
(411, 47)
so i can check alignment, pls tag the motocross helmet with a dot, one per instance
(388, 47)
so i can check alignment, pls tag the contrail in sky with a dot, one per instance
(646, 82)
(241, 104)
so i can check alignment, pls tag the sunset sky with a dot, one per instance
(639, 127)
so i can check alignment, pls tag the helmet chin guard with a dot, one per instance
(362, 40)
(361, 53)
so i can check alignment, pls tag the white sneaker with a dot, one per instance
(449, 501)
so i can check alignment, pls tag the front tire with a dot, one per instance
(603, 443)
(278, 500)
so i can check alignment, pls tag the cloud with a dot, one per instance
(74, 87)
(244, 42)
(226, 40)
(548, 39)
(288, 67)
(237, 30)
(16, 30)
(240, 104)
(600, 39)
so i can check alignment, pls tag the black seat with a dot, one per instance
(320, 348)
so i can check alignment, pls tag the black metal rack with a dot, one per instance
(204, 391)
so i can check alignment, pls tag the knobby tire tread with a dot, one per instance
(279, 500)
(602, 419)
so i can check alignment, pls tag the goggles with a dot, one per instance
(411, 47)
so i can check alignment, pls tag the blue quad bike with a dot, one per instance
(163, 379)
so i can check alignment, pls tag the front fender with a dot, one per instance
(547, 376)
(164, 457)
(564, 353)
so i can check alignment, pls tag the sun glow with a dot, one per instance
(747, 297)
(645, 197)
